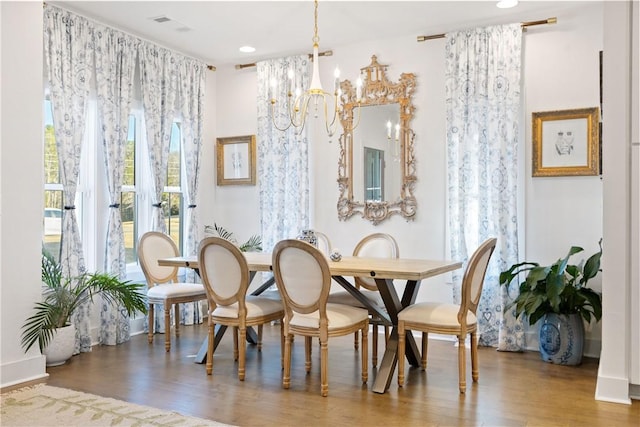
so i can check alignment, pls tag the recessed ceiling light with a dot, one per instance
(505, 4)
(247, 49)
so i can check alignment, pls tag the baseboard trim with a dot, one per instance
(21, 371)
(611, 389)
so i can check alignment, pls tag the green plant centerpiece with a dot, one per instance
(62, 295)
(559, 296)
(254, 244)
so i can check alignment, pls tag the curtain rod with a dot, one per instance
(253, 64)
(44, 4)
(553, 20)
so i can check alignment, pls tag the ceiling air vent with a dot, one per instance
(161, 19)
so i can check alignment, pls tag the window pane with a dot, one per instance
(52, 222)
(173, 216)
(173, 165)
(130, 154)
(51, 168)
(128, 214)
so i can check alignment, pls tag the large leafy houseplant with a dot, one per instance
(557, 288)
(62, 295)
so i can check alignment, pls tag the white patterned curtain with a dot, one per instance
(159, 75)
(69, 62)
(115, 66)
(483, 108)
(191, 86)
(283, 166)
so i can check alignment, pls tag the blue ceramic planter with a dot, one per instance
(561, 338)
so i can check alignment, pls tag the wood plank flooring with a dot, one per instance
(515, 389)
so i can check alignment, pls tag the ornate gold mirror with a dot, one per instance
(376, 169)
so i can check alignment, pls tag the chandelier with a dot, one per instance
(298, 102)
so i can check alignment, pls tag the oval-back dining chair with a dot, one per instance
(376, 245)
(303, 277)
(163, 286)
(225, 275)
(451, 319)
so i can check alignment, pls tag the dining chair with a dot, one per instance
(225, 275)
(376, 245)
(451, 319)
(323, 242)
(303, 277)
(163, 287)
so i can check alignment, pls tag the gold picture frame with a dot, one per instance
(566, 142)
(236, 160)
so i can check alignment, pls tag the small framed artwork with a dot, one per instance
(566, 143)
(236, 160)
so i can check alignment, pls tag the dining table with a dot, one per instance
(383, 270)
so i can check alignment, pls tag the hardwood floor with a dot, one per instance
(515, 389)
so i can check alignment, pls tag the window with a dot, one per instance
(135, 200)
(135, 205)
(128, 211)
(52, 187)
(172, 195)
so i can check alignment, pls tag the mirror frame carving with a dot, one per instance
(377, 90)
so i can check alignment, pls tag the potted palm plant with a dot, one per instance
(254, 244)
(558, 295)
(51, 326)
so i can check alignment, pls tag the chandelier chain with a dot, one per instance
(316, 39)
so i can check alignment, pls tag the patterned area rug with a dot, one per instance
(43, 405)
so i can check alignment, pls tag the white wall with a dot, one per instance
(235, 207)
(21, 178)
(560, 72)
(615, 360)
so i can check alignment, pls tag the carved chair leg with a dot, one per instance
(425, 345)
(281, 343)
(462, 372)
(324, 362)
(242, 346)
(474, 357)
(235, 343)
(176, 318)
(210, 341)
(401, 345)
(286, 375)
(365, 350)
(307, 353)
(167, 327)
(152, 322)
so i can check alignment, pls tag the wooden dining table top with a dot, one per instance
(381, 268)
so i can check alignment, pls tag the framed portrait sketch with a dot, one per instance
(236, 160)
(566, 143)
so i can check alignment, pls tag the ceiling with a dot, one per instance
(214, 30)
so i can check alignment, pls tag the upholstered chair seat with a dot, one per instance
(445, 315)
